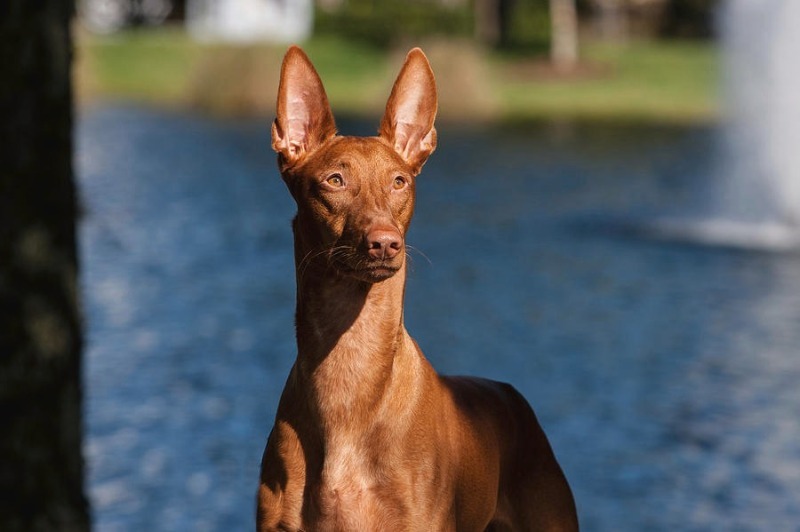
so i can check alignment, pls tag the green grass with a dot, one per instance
(661, 81)
(645, 81)
(166, 67)
(152, 66)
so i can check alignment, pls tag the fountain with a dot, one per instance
(249, 21)
(756, 194)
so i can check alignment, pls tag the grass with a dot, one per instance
(660, 81)
(153, 66)
(645, 81)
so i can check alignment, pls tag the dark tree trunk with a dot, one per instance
(493, 21)
(41, 474)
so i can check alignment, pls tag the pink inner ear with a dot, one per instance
(296, 136)
(304, 117)
(407, 137)
(428, 143)
(411, 110)
(401, 141)
(296, 121)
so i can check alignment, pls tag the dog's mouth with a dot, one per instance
(371, 271)
(379, 272)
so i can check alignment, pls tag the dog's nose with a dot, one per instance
(384, 244)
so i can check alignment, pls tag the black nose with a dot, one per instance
(384, 243)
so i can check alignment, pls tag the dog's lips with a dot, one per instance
(381, 271)
(370, 271)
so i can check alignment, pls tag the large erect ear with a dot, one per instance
(410, 111)
(304, 119)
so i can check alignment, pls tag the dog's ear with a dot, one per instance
(408, 121)
(304, 119)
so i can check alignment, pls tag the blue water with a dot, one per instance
(665, 373)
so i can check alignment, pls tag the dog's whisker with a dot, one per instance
(419, 252)
(303, 265)
(332, 254)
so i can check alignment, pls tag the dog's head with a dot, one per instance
(355, 195)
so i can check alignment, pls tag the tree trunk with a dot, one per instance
(564, 34)
(41, 476)
(611, 19)
(492, 21)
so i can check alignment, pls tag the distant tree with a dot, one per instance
(41, 468)
(610, 18)
(563, 34)
(492, 21)
(621, 19)
(690, 18)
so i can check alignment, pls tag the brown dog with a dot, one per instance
(367, 436)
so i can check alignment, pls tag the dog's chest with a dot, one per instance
(351, 496)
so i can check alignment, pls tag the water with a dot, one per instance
(664, 373)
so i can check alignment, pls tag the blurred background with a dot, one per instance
(610, 223)
(507, 60)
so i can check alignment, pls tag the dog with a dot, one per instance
(367, 436)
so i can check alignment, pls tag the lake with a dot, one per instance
(664, 373)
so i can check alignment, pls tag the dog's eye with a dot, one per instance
(335, 181)
(399, 182)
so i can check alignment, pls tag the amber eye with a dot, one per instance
(399, 182)
(335, 181)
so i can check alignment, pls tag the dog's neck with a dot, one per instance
(349, 333)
